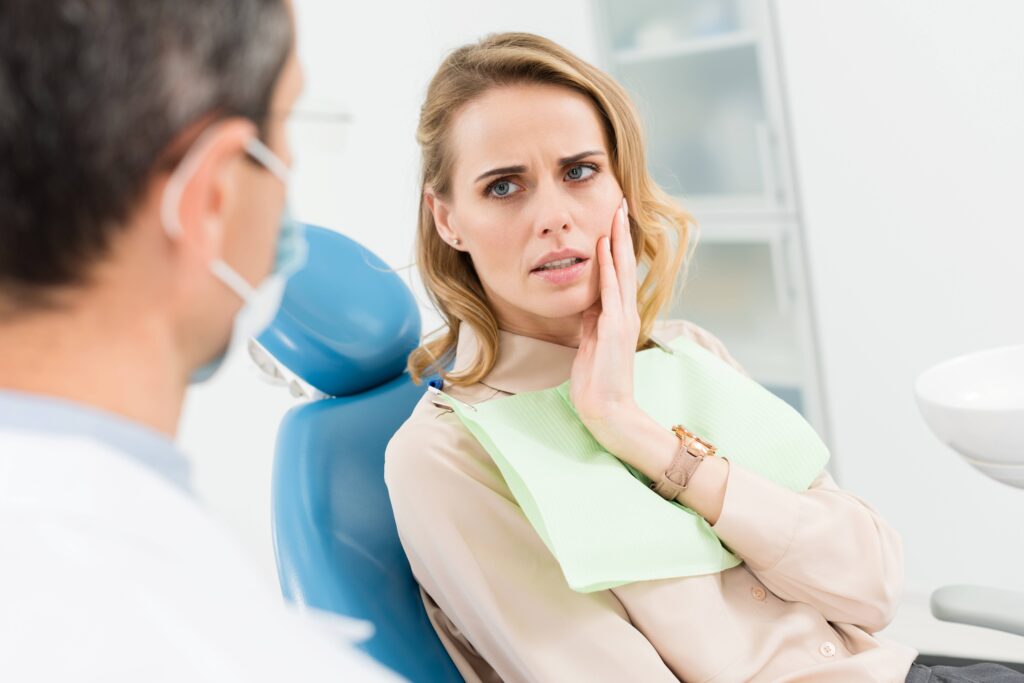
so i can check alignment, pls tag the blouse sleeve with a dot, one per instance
(823, 546)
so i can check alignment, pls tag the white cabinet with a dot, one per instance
(704, 76)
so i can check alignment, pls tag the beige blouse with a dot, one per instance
(821, 570)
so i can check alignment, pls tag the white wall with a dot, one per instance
(372, 60)
(908, 121)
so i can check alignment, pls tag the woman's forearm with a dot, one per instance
(635, 438)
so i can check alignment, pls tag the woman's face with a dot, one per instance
(532, 192)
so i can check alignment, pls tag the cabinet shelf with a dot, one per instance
(739, 233)
(731, 226)
(696, 46)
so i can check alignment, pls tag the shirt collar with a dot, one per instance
(523, 363)
(50, 415)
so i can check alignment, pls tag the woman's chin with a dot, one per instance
(564, 304)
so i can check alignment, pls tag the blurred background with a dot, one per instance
(857, 170)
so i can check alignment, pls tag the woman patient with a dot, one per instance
(550, 252)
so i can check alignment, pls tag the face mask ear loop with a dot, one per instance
(261, 153)
(170, 211)
(170, 204)
(230, 277)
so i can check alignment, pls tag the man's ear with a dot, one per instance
(442, 218)
(209, 183)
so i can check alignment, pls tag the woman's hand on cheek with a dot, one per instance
(602, 374)
(602, 380)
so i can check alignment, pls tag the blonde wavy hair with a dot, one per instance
(660, 228)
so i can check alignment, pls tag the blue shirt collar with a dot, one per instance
(50, 415)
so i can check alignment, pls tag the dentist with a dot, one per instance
(143, 173)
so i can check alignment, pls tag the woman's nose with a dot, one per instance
(554, 226)
(552, 217)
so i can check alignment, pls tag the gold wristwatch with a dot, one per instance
(692, 451)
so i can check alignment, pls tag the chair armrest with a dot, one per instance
(994, 608)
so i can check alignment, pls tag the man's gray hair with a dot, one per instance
(92, 93)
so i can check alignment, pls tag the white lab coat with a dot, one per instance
(109, 572)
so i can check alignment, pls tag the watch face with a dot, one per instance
(694, 444)
(684, 433)
(700, 447)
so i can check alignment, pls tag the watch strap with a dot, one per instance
(690, 454)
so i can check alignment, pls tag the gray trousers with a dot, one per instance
(981, 673)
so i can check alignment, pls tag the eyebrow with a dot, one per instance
(512, 170)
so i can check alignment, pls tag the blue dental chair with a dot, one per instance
(346, 325)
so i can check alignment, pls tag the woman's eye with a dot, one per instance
(581, 172)
(503, 188)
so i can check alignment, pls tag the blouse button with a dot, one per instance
(758, 593)
(827, 649)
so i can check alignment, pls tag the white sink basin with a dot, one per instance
(975, 404)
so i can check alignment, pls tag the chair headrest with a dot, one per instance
(347, 322)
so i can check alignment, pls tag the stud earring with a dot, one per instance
(456, 241)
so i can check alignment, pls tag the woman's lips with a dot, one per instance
(562, 276)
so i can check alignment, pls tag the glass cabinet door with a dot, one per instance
(694, 71)
(704, 79)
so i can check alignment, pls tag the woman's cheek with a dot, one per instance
(602, 210)
(498, 257)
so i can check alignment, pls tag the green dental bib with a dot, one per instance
(596, 514)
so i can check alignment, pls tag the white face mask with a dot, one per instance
(260, 303)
